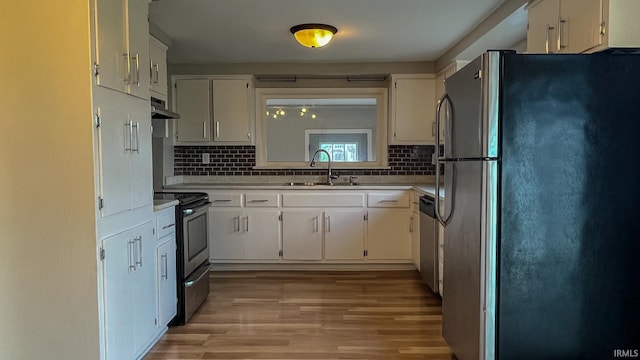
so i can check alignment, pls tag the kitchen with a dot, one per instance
(53, 171)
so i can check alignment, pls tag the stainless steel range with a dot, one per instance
(192, 234)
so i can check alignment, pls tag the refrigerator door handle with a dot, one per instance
(450, 196)
(442, 220)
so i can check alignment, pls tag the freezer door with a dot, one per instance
(473, 100)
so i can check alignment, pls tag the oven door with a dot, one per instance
(195, 232)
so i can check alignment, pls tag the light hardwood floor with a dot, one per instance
(311, 315)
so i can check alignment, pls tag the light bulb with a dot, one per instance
(313, 116)
(304, 110)
(275, 116)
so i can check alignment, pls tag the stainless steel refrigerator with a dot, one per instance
(542, 215)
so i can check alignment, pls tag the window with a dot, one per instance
(349, 123)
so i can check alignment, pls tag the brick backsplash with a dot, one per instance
(240, 160)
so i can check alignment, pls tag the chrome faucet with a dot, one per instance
(330, 177)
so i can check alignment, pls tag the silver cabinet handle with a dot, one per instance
(548, 39)
(132, 266)
(164, 272)
(388, 201)
(246, 224)
(136, 58)
(411, 224)
(168, 226)
(217, 129)
(258, 201)
(135, 136)
(127, 68)
(315, 224)
(561, 23)
(222, 200)
(328, 223)
(127, 135)
(204, 129)
(139, 241)
(156, 71)
(236, 224)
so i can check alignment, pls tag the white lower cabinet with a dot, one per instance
(166, 275)
(302, 234)
(344, 232)
(129, 292)
(252, 234)
(388, 234)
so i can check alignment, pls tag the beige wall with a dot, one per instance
(48, 267)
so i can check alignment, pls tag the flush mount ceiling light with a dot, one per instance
(313, 35)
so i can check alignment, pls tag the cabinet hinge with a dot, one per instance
(280, 218)
(153, 231)
(395, 84)
(102, 253)
(249, 134)
(366, 253)
(280, 253)
(247, 85)
(366, 217)
(603, 29)
(96, 69)
(478, 75)
(98, 121)
(100, 203)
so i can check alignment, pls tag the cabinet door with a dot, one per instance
(144, 287)
(579, 24)
(141, 156)
(302, 235)
(344, 234)
(166, 277)
(261, 234)
(388, 235)
(118, 296)
(413, 111)
(193, 105)
(542, 27)
(158, 70)
(231, 110)
(138, 44)
(110, 44)
(114, 142)
(225, 234)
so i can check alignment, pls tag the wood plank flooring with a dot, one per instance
(311, 315)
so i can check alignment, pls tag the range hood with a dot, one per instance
(158, 110)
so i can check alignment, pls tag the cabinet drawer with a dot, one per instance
(388, 199)
(165, 225)
(261, 200)
(329, 199)
(223, 200)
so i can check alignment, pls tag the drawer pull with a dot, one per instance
(388, 201)
(168, 226)
(258, 201)
(222, 200)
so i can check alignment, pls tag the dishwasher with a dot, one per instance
(429, 242)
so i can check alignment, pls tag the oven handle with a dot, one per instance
(193, 210)
(190, 283)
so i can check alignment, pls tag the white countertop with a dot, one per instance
(428, 189)
(163, 204)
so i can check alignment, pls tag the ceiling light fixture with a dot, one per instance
(313, 35)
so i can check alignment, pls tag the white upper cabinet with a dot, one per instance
(412, 110)
(158, 68)
(214, 110)
(124, 143)
(122, 46)
(576, 26)
(192, 103)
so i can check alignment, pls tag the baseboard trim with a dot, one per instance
(311, 267)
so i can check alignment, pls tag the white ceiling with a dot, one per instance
(257, 31)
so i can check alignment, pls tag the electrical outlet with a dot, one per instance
(205, 158)
(433, 159)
